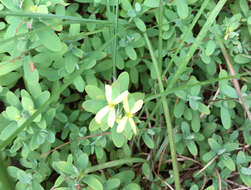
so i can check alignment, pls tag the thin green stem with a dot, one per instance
(160, 44)
(167, 117)
(115, 30)
(52, 16)
(6, 182)
(184, 87)
(188, 32)
(114, 164)
(201, 35)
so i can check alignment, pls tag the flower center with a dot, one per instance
(129, 115)
(110, 105)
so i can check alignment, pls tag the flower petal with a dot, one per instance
(108, 93)
(137, 106)
(111, 118)
(101, 113)
(133, 126)
(122, 124)
(126, 104)
(121, 97)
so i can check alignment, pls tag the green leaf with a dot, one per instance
(123, 80)
(126, 5)
(94, 92)
(228, 91)
(196, 121)
(42, 98)
(242, 59)
(185, 129)
(31, 76)
(225, 117)
(13, 113)
(204, 109)
(112, 183)
(50, 40)
(148, 141)
(65, 167)
(10, 78)
(231, 146)
(93, 126)
(246, 179)
(194, 187)
(61, 117)
(70, 62)
(151, 3)
(79, 84)
(210, 47)
(241, 158)
(179, 109)
(246, 171)
(182, 8)
(147, 170)
(26, 101)
(59, 181)
(93, 106)
(82, 161)
(244, 7)
(192, 147)
(188, 114)
(229, 163)
(215, 146)
(140, 24)
(131, 53)
(93, 182)
(208, 156)
(131, 186)
(125, 176)
(10, 4)
(6, 67)
(12, 99)
(118, 139)
(8, 131)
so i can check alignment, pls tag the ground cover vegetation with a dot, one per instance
(125, 94)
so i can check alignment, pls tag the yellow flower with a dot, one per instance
(129, 115)
(110, 107)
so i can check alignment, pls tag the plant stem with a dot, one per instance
(5, 179)
(232, 73)
(160, 45)
(196, 18)
(167, 117)
(199, 38)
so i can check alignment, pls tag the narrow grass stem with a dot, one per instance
(160, 44)
(6, 181)
(113, 164)
(184, 87)
(167, 117)
(52, 16)
(114, 44)
(196, 18)
(199, 38)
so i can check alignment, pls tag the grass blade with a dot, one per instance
(52, 16)
(196, 18)
(167, 117)
(198, 39)
(184, 87)
(114, 164)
